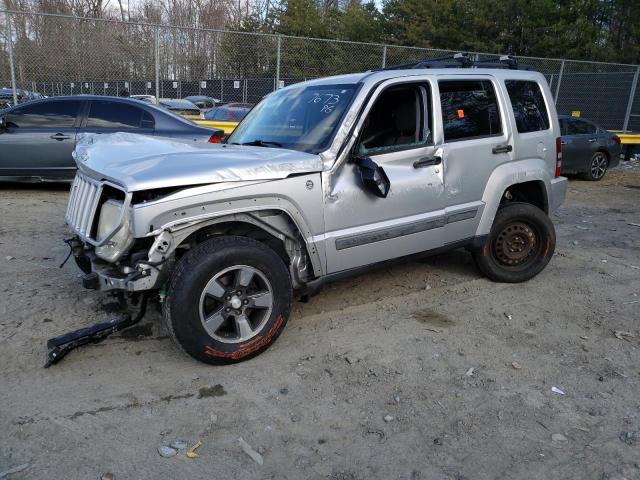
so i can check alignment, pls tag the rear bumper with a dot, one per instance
(558, 193)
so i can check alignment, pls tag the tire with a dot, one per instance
(520, 244)
(229, 299)
(597, 168)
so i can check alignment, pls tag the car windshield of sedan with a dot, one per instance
(303, 118)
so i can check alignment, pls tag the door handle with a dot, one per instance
(59, 136)
(427, 162)
(563, 143)
(502, 149)
(591, 140)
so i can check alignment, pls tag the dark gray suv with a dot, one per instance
(587, 149)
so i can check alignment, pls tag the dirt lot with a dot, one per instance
(464, 366)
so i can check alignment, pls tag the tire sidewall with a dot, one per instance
(545, 233)
(195, 269)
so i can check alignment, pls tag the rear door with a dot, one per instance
(39, 139)
(110, 116)
(474, 143)
(577, 144)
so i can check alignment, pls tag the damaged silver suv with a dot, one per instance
(321, 180)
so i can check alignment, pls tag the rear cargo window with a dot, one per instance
(469, 109)
(528, 105)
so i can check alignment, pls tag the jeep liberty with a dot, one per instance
(321, 180)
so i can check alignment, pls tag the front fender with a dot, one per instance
(507, 174)
(299, 197)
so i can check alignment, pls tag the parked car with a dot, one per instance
(203, 102)
(322, 180)
(588, 149)
(6, 96)
(145, 98)
(226, 117)
(37, 138)
(184, 108)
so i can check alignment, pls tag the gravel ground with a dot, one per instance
(422, 371)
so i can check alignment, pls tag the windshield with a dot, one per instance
(303, 118)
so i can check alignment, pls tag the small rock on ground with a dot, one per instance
(166, 452)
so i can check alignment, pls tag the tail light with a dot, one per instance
(616, 139)
(558, 156)
(215, 138)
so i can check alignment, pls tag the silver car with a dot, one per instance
(321, 180)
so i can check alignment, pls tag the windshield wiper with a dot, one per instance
(262, 143)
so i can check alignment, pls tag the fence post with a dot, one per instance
(559, 82)
(278, 62)
(632, 95)
(384, 56)
(12, 67)
(157, 62)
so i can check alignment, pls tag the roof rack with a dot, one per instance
(462, 60)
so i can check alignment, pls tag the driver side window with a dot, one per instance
(397, 121)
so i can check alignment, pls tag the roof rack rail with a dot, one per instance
(462, 60)
(458, 60)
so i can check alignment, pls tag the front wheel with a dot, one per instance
(520, 244)
(229, 299)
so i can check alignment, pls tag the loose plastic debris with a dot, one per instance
(557, 390)
(191, 453)
(246, 448)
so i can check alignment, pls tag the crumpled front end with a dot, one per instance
(99, 215)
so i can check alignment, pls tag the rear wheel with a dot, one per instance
(520, 244)
(229, 300)
(597, 167)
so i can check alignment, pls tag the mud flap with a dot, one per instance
(58, 347)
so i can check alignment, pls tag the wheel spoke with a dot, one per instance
(244, 328)
(260, 300)
(244, 277)
(213, 321)
(215, 290)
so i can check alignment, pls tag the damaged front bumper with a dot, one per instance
(143, 269)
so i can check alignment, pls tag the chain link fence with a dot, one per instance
(61, 55)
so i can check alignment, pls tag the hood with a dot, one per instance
(141, 162)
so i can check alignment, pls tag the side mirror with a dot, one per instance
(373, 177)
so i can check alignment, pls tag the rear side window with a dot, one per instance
(116, 115)
(469, 109)
(57, 114)
(528, 105)
(579, 127)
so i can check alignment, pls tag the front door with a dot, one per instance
(39, 139)
(363, 228)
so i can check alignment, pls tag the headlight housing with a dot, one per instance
(121, 240)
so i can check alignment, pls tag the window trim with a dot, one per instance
(425, 88)
(544, 99)
(499, 102)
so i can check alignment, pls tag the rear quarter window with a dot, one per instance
(469, 109)
(528, 105)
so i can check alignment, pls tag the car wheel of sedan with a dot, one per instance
(597, 167)
(229, 299)
(520, 244)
